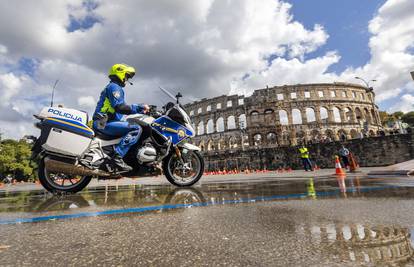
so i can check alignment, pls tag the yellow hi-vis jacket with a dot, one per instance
(304, 153)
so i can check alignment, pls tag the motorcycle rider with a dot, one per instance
(109, 111)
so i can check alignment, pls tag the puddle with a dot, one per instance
(215, 193)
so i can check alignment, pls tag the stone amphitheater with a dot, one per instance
(285, 116)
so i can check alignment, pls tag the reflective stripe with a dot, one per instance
(107, 107)
(86, 129)
(304, 153)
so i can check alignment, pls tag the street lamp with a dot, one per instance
(366, 83)
(369, 89)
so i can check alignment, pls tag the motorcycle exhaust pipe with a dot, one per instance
(67, 168)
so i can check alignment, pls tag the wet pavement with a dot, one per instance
(248, 221)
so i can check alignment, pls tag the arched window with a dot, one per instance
(200, 128)
(367, 116)
(358, 114)
(283, 116)
(348, 114)
(257, 139)
(336, 114)
(232, 142)
(254, 113)
(231, 123)
(210, 126)
(210, 145)
(324, 113)
(271, 138)
(269, 111)
(242, 121)
(220, 125)
(310, 115)
(296, 116)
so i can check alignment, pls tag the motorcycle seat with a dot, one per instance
(105, 137)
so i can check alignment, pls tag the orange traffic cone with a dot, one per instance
(338, 168)
(353, 165)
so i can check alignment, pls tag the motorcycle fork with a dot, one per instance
(178, 153)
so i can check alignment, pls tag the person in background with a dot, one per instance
(344, 153)
(304, 155)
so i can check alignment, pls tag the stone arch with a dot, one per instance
(221, 144)
(286, 137)
(296, 116)
(220, 125)
(232, 142)
(257, 139)
(301, 137)
(269, 111)
(242, 121)
(354, 134)
(254, 113)
(200, 128)
(330, 135)
(271, 138)
(315, 135)
(210, 145)
(283, 116)
(367, 115)
(348, 114)
(336, 114)
(231, 123)
(358, 114)
(210, 126)
(324, 114)
(310, 115)
(341, 134)
(201, 145)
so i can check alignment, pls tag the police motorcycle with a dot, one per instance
(70, 153)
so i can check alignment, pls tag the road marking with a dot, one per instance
(181, 206)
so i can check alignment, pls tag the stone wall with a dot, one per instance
(370, 152)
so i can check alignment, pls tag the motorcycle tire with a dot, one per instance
(45, 181)
(170, 176)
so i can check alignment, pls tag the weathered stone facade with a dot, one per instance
(369, 152)
(285, 116)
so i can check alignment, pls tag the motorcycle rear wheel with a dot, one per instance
(54, 182)
(176, 172)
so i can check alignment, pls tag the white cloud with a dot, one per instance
(202, 48)
(405, 104)
(87, 101)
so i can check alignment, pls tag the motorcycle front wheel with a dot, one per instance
(56, 182)
(185, 172)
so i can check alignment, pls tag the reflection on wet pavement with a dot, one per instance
(344, 242)
(360, 243)
(220, 193)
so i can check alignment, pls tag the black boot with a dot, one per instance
(119, 164)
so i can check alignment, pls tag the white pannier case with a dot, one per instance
(68, 133)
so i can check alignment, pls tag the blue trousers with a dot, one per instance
(130, 134)
(307, 164)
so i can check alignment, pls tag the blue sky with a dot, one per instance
(345, 21)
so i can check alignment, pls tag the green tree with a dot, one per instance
(15, 159)
(397, 114)
(408, 118)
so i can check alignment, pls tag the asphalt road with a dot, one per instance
(242, 222)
